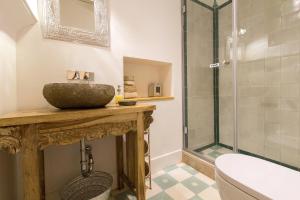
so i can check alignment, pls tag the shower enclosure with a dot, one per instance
(242, 79)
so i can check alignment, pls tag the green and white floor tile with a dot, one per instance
(213, 152)
(178, 182)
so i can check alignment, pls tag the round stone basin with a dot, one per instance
(78, 95)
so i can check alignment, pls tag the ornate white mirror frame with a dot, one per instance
(52, 29)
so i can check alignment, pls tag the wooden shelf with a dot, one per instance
(152, 98)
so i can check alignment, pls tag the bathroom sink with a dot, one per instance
(78, 95)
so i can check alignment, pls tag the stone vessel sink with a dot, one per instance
(78, 95)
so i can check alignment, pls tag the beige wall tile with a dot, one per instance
(272, 141)
(272, 116)
(291, 48)
(271, 103)
(290, 150)
(289, 124)
(289, 104)
(272, 91)
(272, 78)
(289, 90)
(273, 64)
(290, 63)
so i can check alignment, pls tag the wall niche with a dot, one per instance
(147, 71)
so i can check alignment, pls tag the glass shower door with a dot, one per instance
(199, 77)
(208, 75)
(268, 66)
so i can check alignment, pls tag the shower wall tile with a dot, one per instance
(289, 124)
(289, 90)
(272, 141)
(225, 80)
(273, 64)
(284, 36)
(271, 104)
(288, 49)
(273, 51)
(289, 104)
(289, 6)
(226, 118)
(274, 23)
(200, 121)
(272, 78)
(289, 150)
(289, 77)
(290, 63)
(272, 90)
(198, 82)
(272, 116)
(251, 91)
(291, 19)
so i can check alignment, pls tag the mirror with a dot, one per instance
(77, 14)
(84, 21)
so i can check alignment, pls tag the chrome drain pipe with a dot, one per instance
(87, 166)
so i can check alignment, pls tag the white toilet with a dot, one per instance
(241, 177)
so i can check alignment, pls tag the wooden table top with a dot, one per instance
(54, 115)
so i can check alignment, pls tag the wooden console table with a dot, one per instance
(32, 131)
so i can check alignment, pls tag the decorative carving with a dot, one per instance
(148, 119)
(65, 133)
(10, 139)
(70, 136)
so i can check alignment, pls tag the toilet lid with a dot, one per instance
(259, 178)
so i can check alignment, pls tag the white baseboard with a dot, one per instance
(160, 162)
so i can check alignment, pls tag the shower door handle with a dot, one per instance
(217, 65)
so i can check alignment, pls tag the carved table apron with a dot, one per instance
(32, 131)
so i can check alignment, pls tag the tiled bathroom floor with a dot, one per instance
(213, 152)
(178, 182)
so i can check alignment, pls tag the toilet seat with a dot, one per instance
(259, 178)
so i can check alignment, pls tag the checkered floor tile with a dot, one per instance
(213, 152)
(178, 182)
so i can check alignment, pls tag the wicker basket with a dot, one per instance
(96, 187)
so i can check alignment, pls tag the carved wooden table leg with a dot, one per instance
(31, 158)
(42, 174)
(120, 161)
(140, 161)
(131, 156)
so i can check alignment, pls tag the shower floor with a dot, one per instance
(211, 153)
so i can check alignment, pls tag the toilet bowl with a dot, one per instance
(241, 177)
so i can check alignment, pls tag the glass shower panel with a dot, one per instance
(199, 77)
(208, 91)
(226, 131)
(268, 80)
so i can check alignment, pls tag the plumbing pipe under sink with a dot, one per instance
(87, 161)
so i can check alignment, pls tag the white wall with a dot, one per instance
(139, 28)
(7, 73)
(7, 102)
